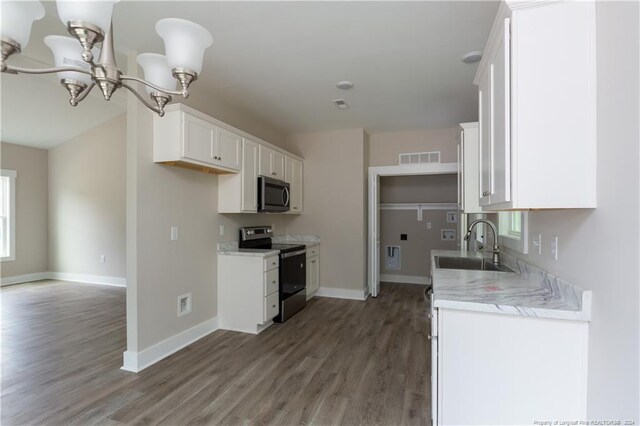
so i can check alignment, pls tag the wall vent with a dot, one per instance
(419, 157)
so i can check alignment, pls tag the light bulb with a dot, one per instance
(156, 71)
(94, 12)
(17, 18)
(184, 42)
(67, 52)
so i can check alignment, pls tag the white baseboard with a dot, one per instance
(138, 361)
(405, 279)
(89, 279)
(64, 276)
(341, 293)
(26, 278)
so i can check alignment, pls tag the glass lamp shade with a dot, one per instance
(97, 12)
(156, 71)
(184, 43)
(17, 17)
(67, 52)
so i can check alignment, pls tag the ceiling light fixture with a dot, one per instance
(471, 57)
(89, 21)
(344, 85)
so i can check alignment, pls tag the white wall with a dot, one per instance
(31, 209)
(599, 249)
(87, 202)
(385, 147)
(159, 197)
(335, 203)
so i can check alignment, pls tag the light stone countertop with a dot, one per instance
(231, 248)
(532, 292)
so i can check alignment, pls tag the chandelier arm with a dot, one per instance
(45, 70)
(153, 86)
(85, 93)
(158, 111)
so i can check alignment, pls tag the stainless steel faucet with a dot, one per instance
(496, 247)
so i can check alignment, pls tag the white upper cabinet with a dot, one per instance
(249, 202)
(468, 173)
(185, 140)
(271, 163)
(537, 107)
(228, 149)
(293, 175)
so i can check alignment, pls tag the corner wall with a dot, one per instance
(86, 208)
(31, 209)
(334, 205)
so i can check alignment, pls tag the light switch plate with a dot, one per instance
(174, 233)
(555, 247)
(221, 230)
(537, 244)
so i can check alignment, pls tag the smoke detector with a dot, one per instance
(344, 85)
(471, 57)
(340, 103)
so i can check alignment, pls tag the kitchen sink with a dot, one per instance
(470, 263)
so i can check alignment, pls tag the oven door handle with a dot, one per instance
(293, 253)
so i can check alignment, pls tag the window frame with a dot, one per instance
(11, 216)
(509, 238)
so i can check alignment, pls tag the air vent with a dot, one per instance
(340, 103)
(419, 157)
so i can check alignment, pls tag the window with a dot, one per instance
(512, 228)
(8, 215)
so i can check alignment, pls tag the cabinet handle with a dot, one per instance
(295, 208)
(273, 306)
(429, 316)
(485, 194)
(273, 282)
(430, 337)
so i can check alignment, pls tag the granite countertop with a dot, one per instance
(529, 292)
(231, 248)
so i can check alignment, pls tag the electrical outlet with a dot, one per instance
(221, 230)
(447, 234)
(403, 237)
(184, 304)
(103, 259)
(555, 247)
(452, 217)
(537, 244)
(174, 233)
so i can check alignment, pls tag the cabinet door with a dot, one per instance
(500, 118)
(309, 274)
(264, 162)
(277, 165)
(293, 175)
(229, 149)
(484, 174)
(198, 140)
(313, 275)
(250, 159)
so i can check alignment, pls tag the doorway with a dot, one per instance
(373, 237)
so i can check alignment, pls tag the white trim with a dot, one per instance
(12, 175)
(518, 244)
(420, 206)
(26, 278)
(405, 279)
(373, 241)
(63, 276)
(138, 361)
(88, 279)
(341, 293)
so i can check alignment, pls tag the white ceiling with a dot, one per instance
(280, 61)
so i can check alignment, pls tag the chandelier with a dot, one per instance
(89, 22)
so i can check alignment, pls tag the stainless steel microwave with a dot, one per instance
(273, 195)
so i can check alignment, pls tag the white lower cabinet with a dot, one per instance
(247, 292)
(499, 369)
(313, 271)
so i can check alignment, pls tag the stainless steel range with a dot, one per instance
(292, 271)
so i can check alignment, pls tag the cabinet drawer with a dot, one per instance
(313, 251)
(271, 308)
(270, 263)
(271, 280)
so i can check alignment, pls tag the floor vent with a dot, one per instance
(419, 157)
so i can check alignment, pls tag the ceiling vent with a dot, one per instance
(340, 103)
(419, 157)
